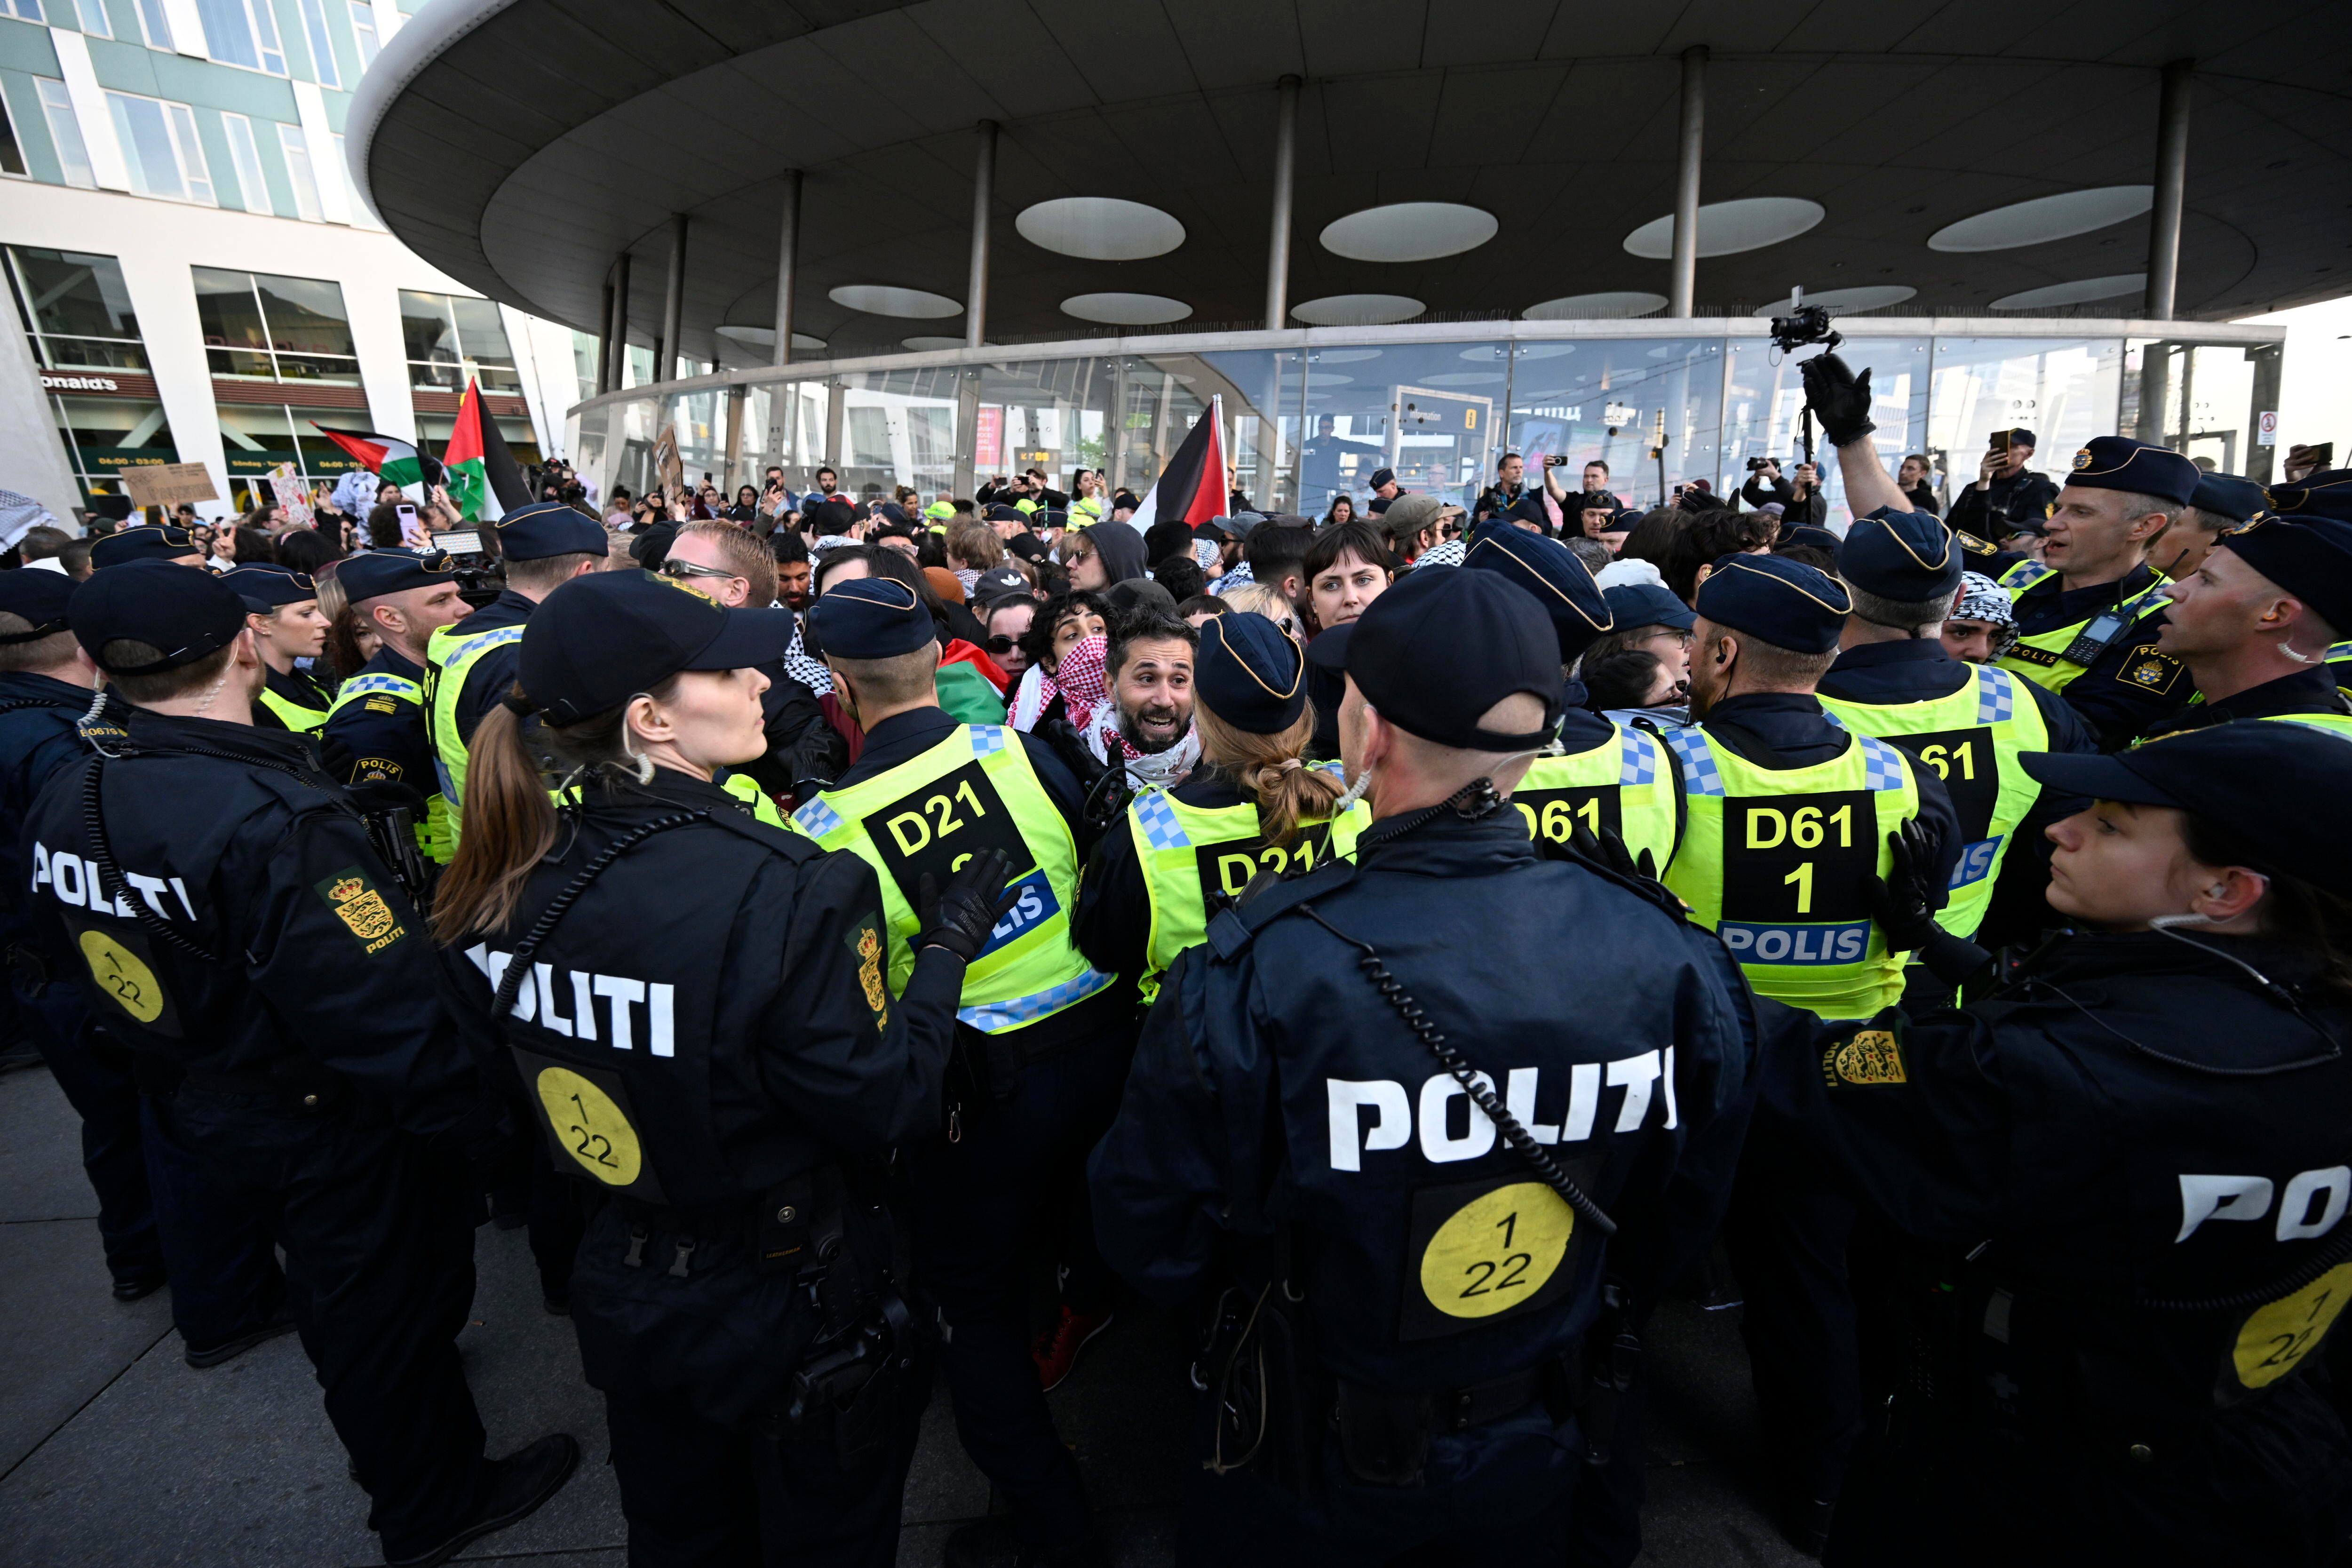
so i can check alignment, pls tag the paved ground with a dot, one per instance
(113, 1453)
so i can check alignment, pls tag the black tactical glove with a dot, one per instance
(1609, 851)
(1904, 906)
(335, 758)
(1839, 398)
(962, 916)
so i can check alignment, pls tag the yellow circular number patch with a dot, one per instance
(121, 975)
(2274, 1340)
(1497, 1252)
(588, 1123)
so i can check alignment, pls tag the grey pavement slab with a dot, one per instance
(114, 1453)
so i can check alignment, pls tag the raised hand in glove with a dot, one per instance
(962, 916)
(1839, 398)
(1905, 904)
(1609, 851)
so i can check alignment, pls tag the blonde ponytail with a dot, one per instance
(508, 825)
(1272, 768)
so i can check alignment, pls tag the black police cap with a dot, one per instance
(1250, 673)
(2227, 496)
(2309, 557)
(1437, 650)
(1633, 605)
(2250, 778)
(869, 617)
(1906, 556)
(2325, 494)
(548, 528)
(265, 587)
(2120, 463)
(600, 639)
(382, 572)
(151, 542)
(1382, 477)
(1006, 512)
(1776, 600)
(185, 613)
(1551, 571)
(39, 599)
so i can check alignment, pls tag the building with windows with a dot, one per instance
(196, 278)
(925, 242)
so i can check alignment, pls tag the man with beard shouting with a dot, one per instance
(1147, 723)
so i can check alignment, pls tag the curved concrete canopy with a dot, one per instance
(519, 145)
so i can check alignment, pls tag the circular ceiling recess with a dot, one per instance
(2044, 218)
(925, 345)
(1100, 228)
(1357, 309)
(1410, 231)
(1727, 228)
(1126, 310)
(1875, 297)
(1613, 307)
(884, 299)
(765, 337)
(2080, 292)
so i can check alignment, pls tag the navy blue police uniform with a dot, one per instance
(1023, 1105)
(2311, 559)
(161, 1212)
(291, 698)
(1992, 514)
(2135, 1153)
(1396, 1293)
(335, 1108)
(2325, 494)
(378, 722)
(695, 1003)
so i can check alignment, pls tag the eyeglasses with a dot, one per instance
(1001, 643)
(1073, 557)
(677, 568)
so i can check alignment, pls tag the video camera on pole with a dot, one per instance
(1805, 324)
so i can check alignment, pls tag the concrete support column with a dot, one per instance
(984, 195)
(1286, 183)
(605, 338)
(788, 263)
(1681, 287)
(618, 327)
(673, 303)
(2171, 189)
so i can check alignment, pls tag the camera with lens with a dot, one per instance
(1758, 465)
(1806, 324)
(481, 576)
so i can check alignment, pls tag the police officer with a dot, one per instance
(2134, 1151)
(1043, 1036)
(470, 665)
(2323, 494)
(697, 1001)
(1253, 806)
(230, 917)
(2005, 494)
(282, 605)
(1969, 723)
(2218, 503)
(1791, 814)
(161, 1212)
(1401, 1235)
(152, 541)
(375, 732)
(2255, 621)
(1598, 777)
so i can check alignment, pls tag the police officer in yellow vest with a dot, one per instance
(1253, 806)
(2324, 494)
(1791, 815)
(1043, 1036)
(375, 732)
(1604, 778)
(2255, 622)
(282, 607)
(470, 666)
(2088, 611)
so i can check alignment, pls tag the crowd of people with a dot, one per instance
(868, 942)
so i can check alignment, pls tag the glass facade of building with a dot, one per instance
(78, 318)
(1312, 419)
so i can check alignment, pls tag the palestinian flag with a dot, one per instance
(482, 478)
(388, 457)
(1192, 488)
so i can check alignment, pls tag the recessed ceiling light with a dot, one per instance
(1331, 378)
(2080, 292)
(1343, 356)
(1546, 351)
(1357, 309)
(926, 345)
(765, 337)
(1100, 228)
(1875, 298)
(1126, 310)
(1727, 228)
(1609, 306)
(884, 299)
(2044, 218)
(1410, 231)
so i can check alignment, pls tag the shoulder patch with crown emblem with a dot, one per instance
(1865, 1059)
(362, 909)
